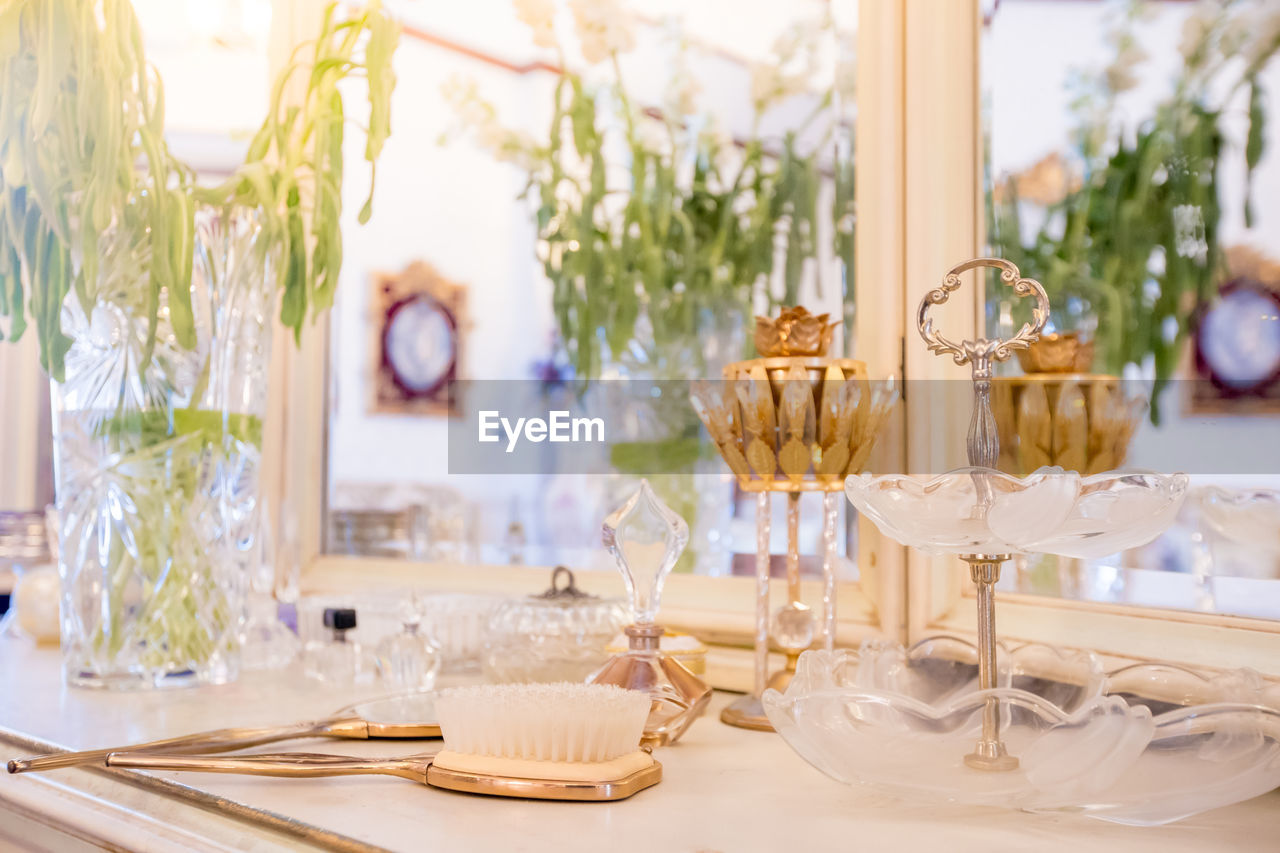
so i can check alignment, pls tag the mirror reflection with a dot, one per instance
(1126, 164)
(693, 162)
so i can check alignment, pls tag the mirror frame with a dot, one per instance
(945, 216)
(918, 140)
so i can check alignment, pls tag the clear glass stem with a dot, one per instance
(762, 591)
(1202, 570)
(830, 514)
(793, 546)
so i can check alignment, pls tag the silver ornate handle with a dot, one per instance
(983, 440)
(983, 349)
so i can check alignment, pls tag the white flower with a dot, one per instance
(461, 93)
(604, 27)
(654, 137)
(1189, 234)
(538, 16)
(1237, 33)
(682, 95)
(1120, 75)
(770, 85)
(481, 118)
(1120, 78)
(715, 143)
(797, 43)
(1195, 33)
(788, 44)
(846, 79)
(846, 82)
(506, 145)
(1265, 31)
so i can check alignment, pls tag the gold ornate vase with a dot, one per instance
(792, 420)
(1080, 422)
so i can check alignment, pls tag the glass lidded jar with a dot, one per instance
(559, 635)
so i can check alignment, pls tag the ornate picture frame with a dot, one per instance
(416, 345)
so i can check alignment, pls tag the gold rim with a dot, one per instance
(402, 731)
(1058, 377)
(744, 719)
(544, 789)
(809, 362)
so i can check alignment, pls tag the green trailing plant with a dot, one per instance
(655, 228)
(82, 150)
(95, 207)
(1135, 244)
(1142, 219)
(652, 226)
(293, 169)
(676, 254)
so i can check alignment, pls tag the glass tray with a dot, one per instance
(1146, 744)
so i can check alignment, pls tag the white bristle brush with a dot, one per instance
(556, 732)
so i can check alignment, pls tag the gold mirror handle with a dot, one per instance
(296, 765)
(218, 740)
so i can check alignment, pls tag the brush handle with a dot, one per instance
(218, 740)
(289, 764)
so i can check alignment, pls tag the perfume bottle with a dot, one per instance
(646, 538)
(339, 659)
(515, 540)
(266, 643)
(409, 660)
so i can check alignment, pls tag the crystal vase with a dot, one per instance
(156, 453)
(659, 437)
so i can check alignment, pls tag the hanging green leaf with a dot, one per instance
(80, 110)
(1254, 143)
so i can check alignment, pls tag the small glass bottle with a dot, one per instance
(515, 540)
(409, 660)
(266, 643)
(339, 659)
(27, 563)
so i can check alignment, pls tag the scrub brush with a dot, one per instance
(540, 740)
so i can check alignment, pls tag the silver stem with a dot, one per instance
(989, 754)
(983, 448)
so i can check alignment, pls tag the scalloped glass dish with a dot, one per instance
(1245, 516)
(904, 718)
(1051, 511)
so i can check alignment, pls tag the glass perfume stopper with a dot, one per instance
(409, 660)
(646, 537)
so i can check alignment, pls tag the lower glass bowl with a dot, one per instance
(1146, 744)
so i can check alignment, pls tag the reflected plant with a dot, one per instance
(654, 224)
(1129, 230)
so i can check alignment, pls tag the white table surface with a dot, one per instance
(724, 789)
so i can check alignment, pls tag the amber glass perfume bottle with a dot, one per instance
(646, 538)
